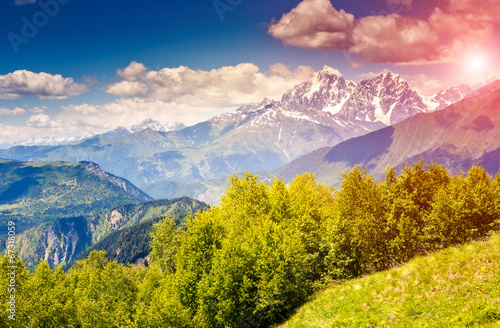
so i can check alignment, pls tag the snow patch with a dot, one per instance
(337, 108)
(298, 116)
(379, 113)
(431, 104)
(339, 122)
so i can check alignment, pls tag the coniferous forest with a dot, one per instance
(255, 258)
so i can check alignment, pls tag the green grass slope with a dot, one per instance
(456, 287)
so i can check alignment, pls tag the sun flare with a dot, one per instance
(476, 63)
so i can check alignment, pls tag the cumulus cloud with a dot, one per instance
(41, 121)
(133, 72)
(22, 111)
(394, 38)
(315, 24)
(281, 69)
(23, 83)
(228, 86)
(452, 29)
(128, 89)
(15, 111)
(486, 10)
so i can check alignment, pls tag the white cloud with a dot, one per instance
(15, 111)
(394, 38)
(485, 10)
(133, 72)
(41, 121)
(225, 87)
(23, 83)
(128, 89)
(315, 24)
(21, 111)
(456, 27)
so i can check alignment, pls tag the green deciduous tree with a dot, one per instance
(105, 292)
(50, 302)
(466, 209)
(164, 244)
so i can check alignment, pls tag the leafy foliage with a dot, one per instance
(255, 258)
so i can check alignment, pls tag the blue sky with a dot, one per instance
(81, 45)
(97, 37)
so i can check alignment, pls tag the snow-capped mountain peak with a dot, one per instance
(327, 90)
(328, 71)
(447, 97)
(387, 98)
(148, 124)
(155, 126)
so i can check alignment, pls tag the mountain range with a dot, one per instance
(464, 134)
(323, 126)
(321, 112)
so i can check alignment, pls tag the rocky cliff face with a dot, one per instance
(387, 99)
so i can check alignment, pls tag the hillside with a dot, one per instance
(128, 245)
(61, 241)
(261, 254)
(464, 134)
(39, 192)
(456, 287)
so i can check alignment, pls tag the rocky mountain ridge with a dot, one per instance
(321, 112)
